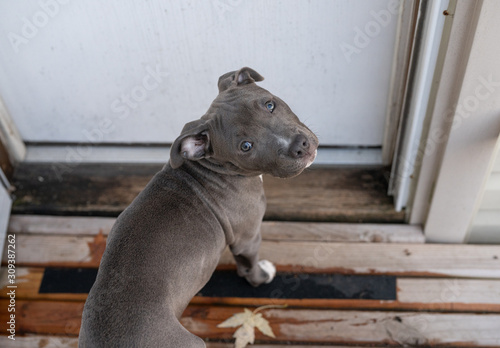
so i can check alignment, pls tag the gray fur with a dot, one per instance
(165, 246)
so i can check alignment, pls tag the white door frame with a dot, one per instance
(457, 41)
(10, 137)
(401, 60)
(463, 125)
(16, 150)
(424, 58)
(5, 205)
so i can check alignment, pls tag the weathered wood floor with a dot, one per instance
(346, 284)
(435, 295)
(341, 195)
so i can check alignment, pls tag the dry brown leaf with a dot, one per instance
(237, 319)
(249, 321)
(244, 335)
(263, 325)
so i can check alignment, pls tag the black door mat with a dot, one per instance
(67, 280)
(228, 284)
(303, 286)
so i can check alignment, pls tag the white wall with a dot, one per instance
(66, 65)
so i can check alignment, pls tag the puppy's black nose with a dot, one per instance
(299, 147)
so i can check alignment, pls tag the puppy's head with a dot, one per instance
(247, 131)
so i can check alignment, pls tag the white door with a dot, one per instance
(134, 72)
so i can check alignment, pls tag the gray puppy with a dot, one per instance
(165, 246)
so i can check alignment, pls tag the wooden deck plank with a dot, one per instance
(332, 194)
(45, 341)
(63, 225)
(39, 341)
(53, 250)
(293, 325)
(432, 260)
(465, 295)
(395, 259)
(460, 291)
(340, 194)
(342, 232)
(354, 304)
(271, 230)
(401, 328)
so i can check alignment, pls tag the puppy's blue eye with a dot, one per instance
(246, 146)
(270, 106)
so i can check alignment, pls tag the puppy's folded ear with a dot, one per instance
(193, 144)
(246, 75)
(243, 76)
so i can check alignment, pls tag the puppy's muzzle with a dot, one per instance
(301, 148)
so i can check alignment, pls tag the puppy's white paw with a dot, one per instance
(269, 268)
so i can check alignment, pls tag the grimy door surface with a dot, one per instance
(134, 72)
